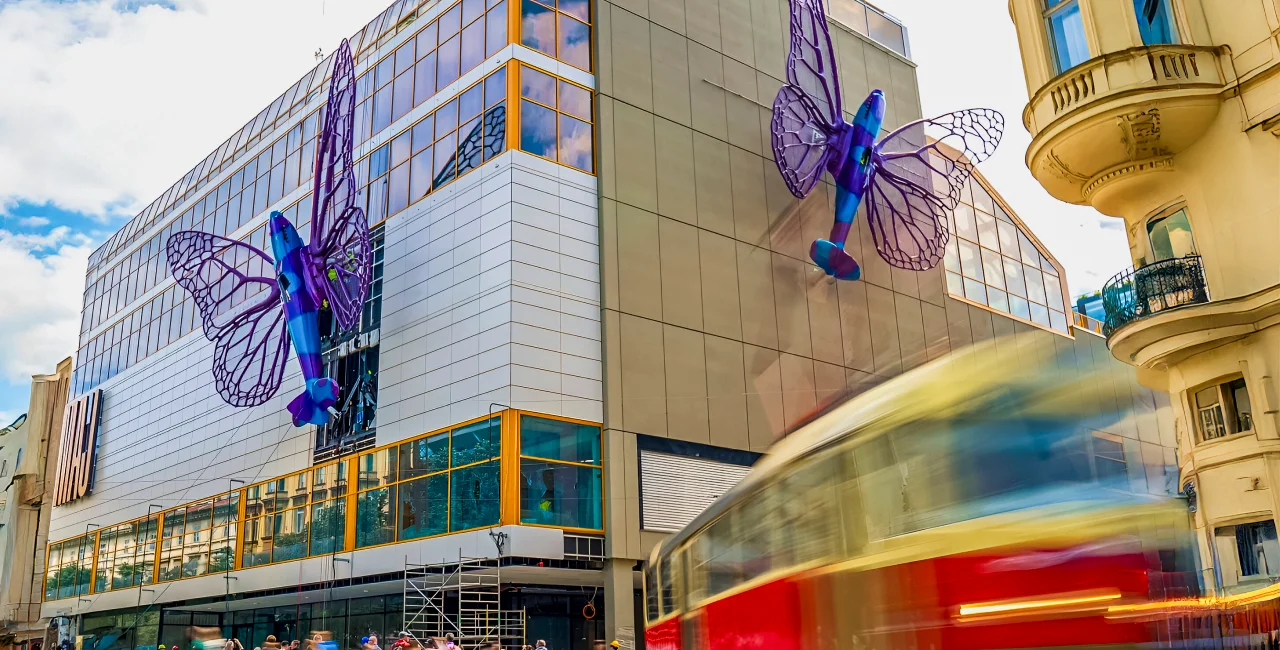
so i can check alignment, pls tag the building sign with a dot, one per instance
(79, 449)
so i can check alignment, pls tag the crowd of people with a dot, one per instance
(211, 639)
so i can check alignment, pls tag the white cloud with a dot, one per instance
(968, 56)
(110, 107)
(40, 321)
(33, 222)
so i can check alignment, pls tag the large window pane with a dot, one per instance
(558, 440)
(576, 143)
(447, 62)
(290, 534)
(538, 86)
(424, 79)
(375, 517)
(377, 468)
(1171, 236)
(577, 8)
(398, 189)
(474, 498)
(574, 42)
(424, 456)
(575, 100)
(537, 129)
(495, 130)
(257, 542)
(472, 45)
(420, 175)
(538, 27)
(328, 527)
(496, 29)
(476, 442)
(1066, 31)
(424, 507)
(560, 495)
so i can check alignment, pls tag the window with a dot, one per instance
(1155, 22)
(1108, 461)
(555, 119)
(561, 473)
(69, 567)
(1170, 236)
(456, 138)
(1223, 410)
(1066, 34)
(992, 262)
(558, 29)
(1248, 552)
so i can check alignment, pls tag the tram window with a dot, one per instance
(924, 476)
(669, 577)
(757, 528)
(651, 593)
(809, 526)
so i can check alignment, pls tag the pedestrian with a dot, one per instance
(373, 642)
(540, 645)
(271, 643)
(449, 643)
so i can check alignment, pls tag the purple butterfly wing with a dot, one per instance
(961, 140)
(240, 310)
(917, 182)
(811, 61)
(801, 140)
(340, 238)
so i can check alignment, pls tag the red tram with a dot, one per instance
(955, 508)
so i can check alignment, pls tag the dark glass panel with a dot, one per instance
(424, 507)
(552, 494)
(375, 517)
(474, 500)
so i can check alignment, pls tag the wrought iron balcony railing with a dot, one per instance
(1138, 293)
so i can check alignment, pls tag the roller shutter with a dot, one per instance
(676, 489)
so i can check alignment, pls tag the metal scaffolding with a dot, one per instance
(462, 598)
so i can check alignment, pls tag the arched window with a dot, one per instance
(1170, 236)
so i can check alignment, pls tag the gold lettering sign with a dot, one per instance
(78, 450)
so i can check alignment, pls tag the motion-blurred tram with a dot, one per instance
(956, 507)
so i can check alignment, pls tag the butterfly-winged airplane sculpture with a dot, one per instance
(910, 185)
(252, 318)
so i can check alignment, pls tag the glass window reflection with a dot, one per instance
(537, 129)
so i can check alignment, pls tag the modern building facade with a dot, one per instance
(28, 457)
(1163, 114)
(591, 312)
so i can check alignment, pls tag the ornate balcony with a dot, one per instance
(1137, 294)
(1099, 129)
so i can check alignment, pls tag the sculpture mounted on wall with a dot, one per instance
(910, 184)
(252, 318)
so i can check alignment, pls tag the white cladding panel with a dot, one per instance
(674, 490)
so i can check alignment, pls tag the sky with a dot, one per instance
(966, 52)
(115, 99)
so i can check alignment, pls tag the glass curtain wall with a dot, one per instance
(440, 483)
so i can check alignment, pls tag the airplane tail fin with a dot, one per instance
(312, 406)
